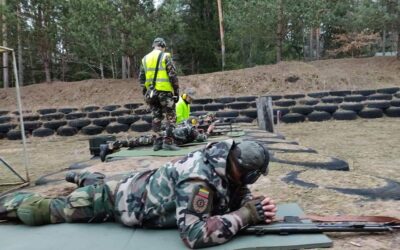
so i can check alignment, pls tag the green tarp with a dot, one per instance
(113, 236)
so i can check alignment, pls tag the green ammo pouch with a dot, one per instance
(35, 211)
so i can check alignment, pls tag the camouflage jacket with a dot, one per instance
(193, 193)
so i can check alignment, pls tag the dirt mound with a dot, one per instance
(281, 78)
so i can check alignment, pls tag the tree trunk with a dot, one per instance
(279, 31)
(5, 55)
(112, 66)
(19, 42)
(384, 42)
(311, 44)
(317, 32)
(128, 67)
(398, 45)
(123, 67)
(46, 64)
(304, 46)
(101, 71)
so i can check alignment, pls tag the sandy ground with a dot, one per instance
(370, 146)
(339, 74)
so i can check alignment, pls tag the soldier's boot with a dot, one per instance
(168, 144)
(158, 143)
(109, 148)
(85, 178)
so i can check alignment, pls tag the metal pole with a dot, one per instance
(221, 31)
(21, 119)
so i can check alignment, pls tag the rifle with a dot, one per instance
(295, 225)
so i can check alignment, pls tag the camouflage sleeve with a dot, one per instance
(173, 77)
(142, 76)
(246, 194)
(197, 224)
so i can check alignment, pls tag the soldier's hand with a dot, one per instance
(254, 211)
(269, 207)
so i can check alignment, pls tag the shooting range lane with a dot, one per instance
(117, 237)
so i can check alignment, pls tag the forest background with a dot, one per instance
(72, 40)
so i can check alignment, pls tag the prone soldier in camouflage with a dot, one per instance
(204, 194)
(184, 133)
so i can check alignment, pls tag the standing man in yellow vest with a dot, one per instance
(183, 106)
(160, 87)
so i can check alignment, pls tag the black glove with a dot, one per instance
(144, 90)
(253, 211)
(175, 98)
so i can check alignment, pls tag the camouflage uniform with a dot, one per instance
(165, 103)
(193, 193)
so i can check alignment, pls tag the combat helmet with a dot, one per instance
(159, 42)
(252, 159)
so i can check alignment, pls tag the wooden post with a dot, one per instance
(265, 113)
(221, 31)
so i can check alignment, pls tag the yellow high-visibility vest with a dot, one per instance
(182, 110)
(149, 64)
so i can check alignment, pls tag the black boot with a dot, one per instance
(157, 145)
(72, 177)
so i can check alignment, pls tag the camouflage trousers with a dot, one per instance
(164, 105)
(93, 203)
(143, 140)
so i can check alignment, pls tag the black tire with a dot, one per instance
(32, 117)
(318, 94)
(67, 131)
(340, 92)
(319, 116)
(389, 91)
(252, 113)
(225, 99)
(147, 118)
(92, 130)
(302, 109)
(132, 105)
(54, 116)
(141, 127)
(251, 98)
(111, 107)
(356, 107)
(127, 119)
(90, 108)
(196, 107)
(284, 103)
(393, 112)
(395, 102)
(227, 114)
(142, 111)
(202, 101)
(310, 101)
(379, 104)
(116, 127)
(294, 96)
(96, 141)
(79, 123)
(3, 135)
(120, 112)
(54, 125)
(30, 126)
(355, 98)
(293, 118)
(370, 113)
(344, 115)
(397, 95)
(283, 111)
(5, 119)
(4, 128)
(330, 108)
(213, 106)
(4, 112)
(242, 120)
(253, 104)
(98, 114)
(42, 132)
(75, 115)
(198, 113)
(237, 105)
(364, 92)
(46, 111)
(103, 122)
(15, 134)
(332, 99)
(380, 97)
(275, 97)
(24, 112)
(67, 110)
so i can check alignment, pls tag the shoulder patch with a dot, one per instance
(200, 202)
